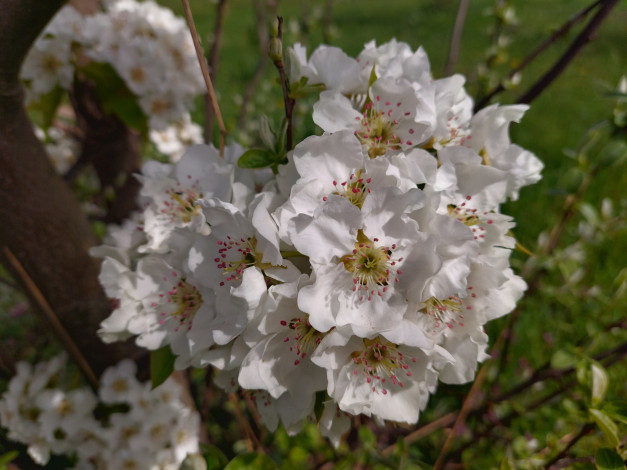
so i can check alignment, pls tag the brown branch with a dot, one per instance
(585, 430)
(252, 441)
(277, 59)
(214, 57)
(423, 431)
(111, 148)
(60, 332)
(205, 73)
(456, 37)
(587, 35)
(565, 28)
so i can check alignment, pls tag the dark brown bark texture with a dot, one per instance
(41, 221)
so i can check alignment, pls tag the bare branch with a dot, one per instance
(205, 73)
(277, 59)
(213, 59)
(60, 332)
(456, 37)
(587, 35)
(565, 28)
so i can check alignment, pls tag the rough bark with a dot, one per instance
(41, 221)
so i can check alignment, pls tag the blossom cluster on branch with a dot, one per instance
(140, 57)
(127, 425)
(356, 276)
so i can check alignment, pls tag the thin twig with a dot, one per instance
(569, 211)
(469, 402)
(326, 22)
(586, 428)
(252, 440)
(287, 101)
(205, 73)
(423, 431)
(565, 28)
(581, 40)
(60, 331)
(456, 37)
(261, 20)
(213, 59)
(607, 358)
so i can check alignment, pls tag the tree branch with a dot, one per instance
(581, 40)
(213, 59)
(456, 37)
(205, 73)
(537, 51)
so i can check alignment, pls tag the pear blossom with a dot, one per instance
(354, 279)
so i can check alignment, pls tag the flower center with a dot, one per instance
(306, 337)
(381, 360)
(447, 312)
(372, 266)
(470, 218)
(245, 255)
(183, 301)
(378, 131)
(355, 189)
(182, 204)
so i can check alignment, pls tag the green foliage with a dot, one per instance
(251, 461)
(7, 458)
(274, 152)
(115, 96)
(608, 459)
(161, 365)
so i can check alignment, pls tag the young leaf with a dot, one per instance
(48, 104)
(599, 383)
(563, 359)
(252, 462)
(268, 137)
(617, 410)
(161, 365)
(606, 424)
(608, 459)
(255, 158)
(5, 459)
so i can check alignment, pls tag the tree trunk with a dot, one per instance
(41, 222)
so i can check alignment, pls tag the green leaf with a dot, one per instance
(321, 397)
(281, 143)
(214, 457)
(268, 137)
(48, 104)
(563, 359)
(194, 462)
(251, 462)
(301, 89)
(606, 425)
(608, 459)
(506, 464)
(617, 410)
(161, 365)
(7, 458)
(255, 158)
(372, 78)
(600, 382)
(115, 96)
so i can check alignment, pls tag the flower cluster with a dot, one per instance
(364, 270)
(148, 47)
(136, 427)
